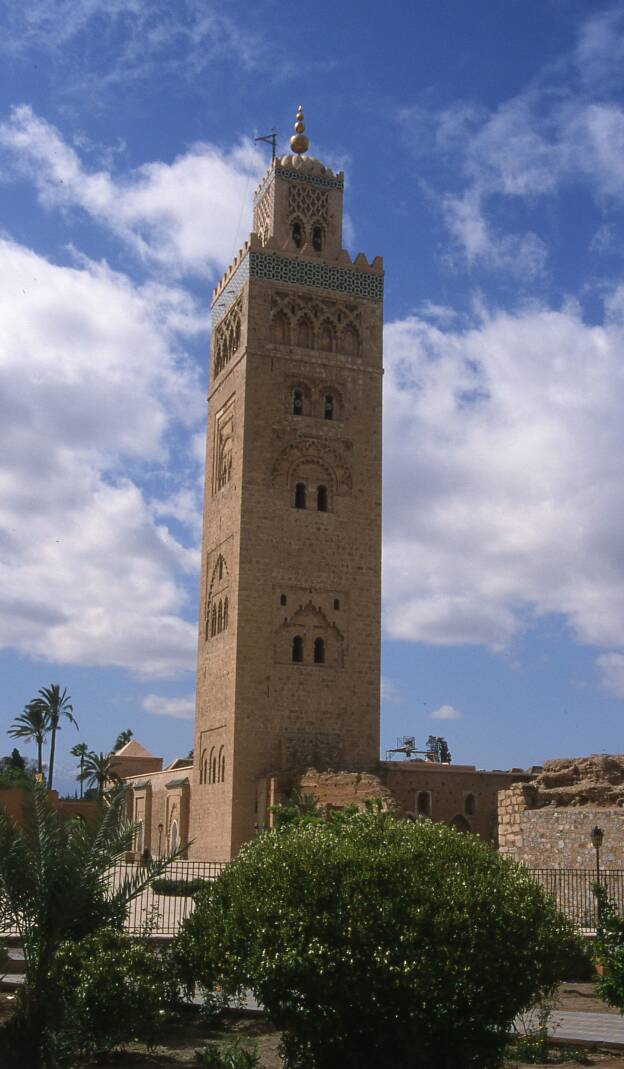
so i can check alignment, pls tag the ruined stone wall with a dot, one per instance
(555, 836)
(337, 790)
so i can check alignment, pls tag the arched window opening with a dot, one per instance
(225, 613)
(279, 330)
(349, 342)
(300, 496)
(213, 770)
(297, 402)
(213, 621)
(328, 406)
(211, 763)
(336, 604)
(220, 618)
(326, 338)
(173, 836)
(297, 649)
(283, 599)
(203, 768)
(297, 234)
(460, 824)
(304, 333)
(220, 567)
(317, 238)
(469, 805)
(319, 651)
(423, 804)
(221, 766)
(321, 499)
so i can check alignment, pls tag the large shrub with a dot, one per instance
(609, 950)
(109, 990)
(373, 942)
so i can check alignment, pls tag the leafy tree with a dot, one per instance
(438, 749)
(32, 725)
(98, 772)
(54, 706)
(54, 888)
(14, 770)
(123, 738)
(609, 950)
(80, 750)
(374, 943)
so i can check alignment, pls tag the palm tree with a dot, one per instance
(98, 771)
(32, 725)
(55, 705)
(122, 739)
(80, 750)
(56, 885)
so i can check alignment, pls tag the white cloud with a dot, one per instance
(565, 128)
(102, 43)
(390, 692)
(503, 492)
(611, 668)
(446, 712)
(93, 385)
(184, 217)
(181, 708)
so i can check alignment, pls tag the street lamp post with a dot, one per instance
(160, 831)
(597, 835)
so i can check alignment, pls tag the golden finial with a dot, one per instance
(299, 142)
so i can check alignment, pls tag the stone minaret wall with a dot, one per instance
(297, 336)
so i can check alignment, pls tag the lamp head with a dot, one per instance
(597, 835)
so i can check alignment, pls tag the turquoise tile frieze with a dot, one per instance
(297, 272)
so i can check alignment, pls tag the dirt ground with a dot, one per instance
(183, 1039)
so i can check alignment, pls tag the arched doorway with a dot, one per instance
(460, 823)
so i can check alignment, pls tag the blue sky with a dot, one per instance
(483, 145)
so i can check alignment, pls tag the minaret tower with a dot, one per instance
(289, 636)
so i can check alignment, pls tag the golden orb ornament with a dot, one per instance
(299, 142)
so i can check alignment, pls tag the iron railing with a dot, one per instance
(163, 914)
(572, 891)
(155, 913)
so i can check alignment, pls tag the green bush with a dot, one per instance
(110, 990)
(233, 1056)
(178, 888)
(609, 950)
(377, 943)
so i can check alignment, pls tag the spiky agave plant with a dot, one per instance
(55, 885)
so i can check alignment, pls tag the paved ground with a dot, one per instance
(603, 1029)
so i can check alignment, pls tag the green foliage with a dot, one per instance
(97, 772)
(369, 939)
(232, 1056)
(123, 738)
(298, 809)
(178, 888)
(609, 950)
(54, 888)
(437, 748)
(32, 725)
(109, 991)
(14, 770)
(53, 706)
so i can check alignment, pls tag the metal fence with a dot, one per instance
(163, 913)
(159, 913)
(572, 891)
